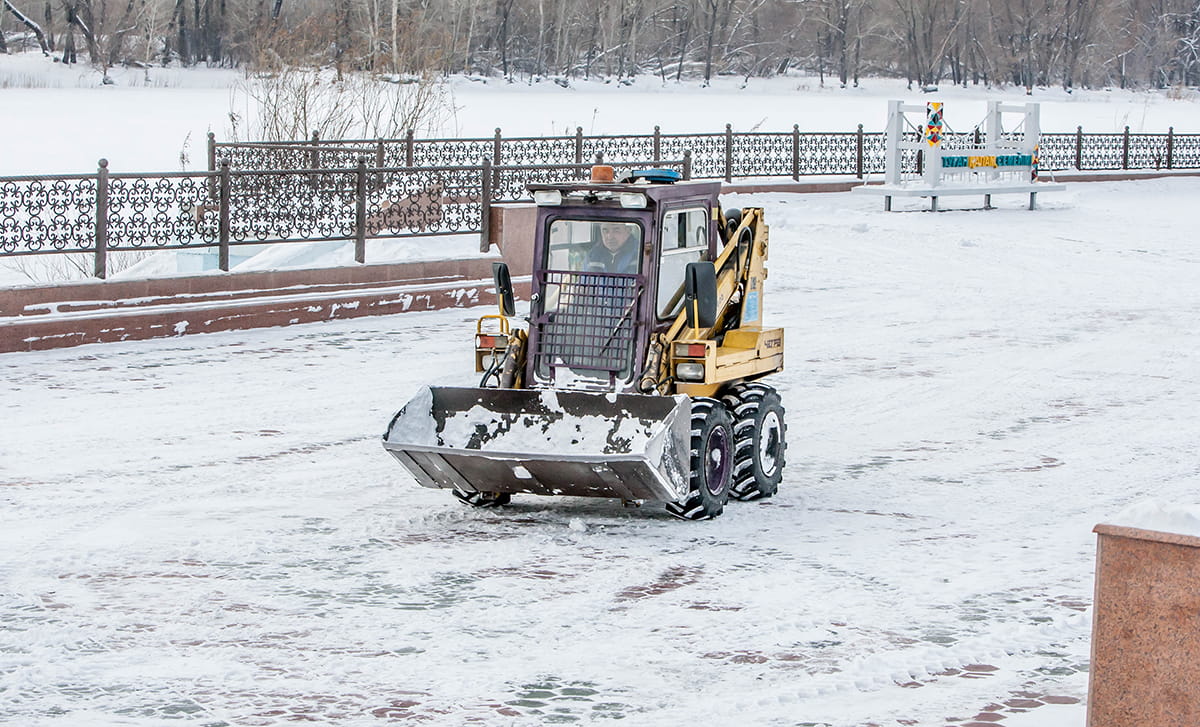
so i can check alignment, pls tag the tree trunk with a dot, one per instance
(69, 55)
(712, 33)
(29, 23)
(49, 19)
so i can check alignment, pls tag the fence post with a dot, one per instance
(687, 165)
(485, 205)
(579, 145)
(1079, 148)
(101, 266)
(599, 157)
(212, 163)
(379, 160)
(360, 212)
(1125, 150)
(223, 203)
(795, 152)
(728, 152)
(409, 148)
(314, 156)
(496, 151)
(858, 152)
(657, 143)
(1170, 147)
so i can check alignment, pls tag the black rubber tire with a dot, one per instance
(483, 499)
(712, 462)
(760, 439)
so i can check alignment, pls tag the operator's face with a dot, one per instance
(613, 236)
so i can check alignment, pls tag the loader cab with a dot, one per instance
(609, 263)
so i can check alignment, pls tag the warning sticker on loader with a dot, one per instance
(750, 310)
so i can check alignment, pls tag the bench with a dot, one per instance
(887, 191)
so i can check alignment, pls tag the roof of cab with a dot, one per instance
(655, 192)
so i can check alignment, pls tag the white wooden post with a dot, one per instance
(895, 134)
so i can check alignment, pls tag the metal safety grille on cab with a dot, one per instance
(591, 324)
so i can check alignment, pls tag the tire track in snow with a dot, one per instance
(922, 663)
(152, 493)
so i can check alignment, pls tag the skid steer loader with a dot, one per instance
(637, 374)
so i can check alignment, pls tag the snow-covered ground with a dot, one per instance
(206, 530)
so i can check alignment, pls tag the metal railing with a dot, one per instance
(104, 213)
(726, 155)
(354, 190)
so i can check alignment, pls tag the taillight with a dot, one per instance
(484, 340)
(690, 350)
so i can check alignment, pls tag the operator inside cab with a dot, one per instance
(617, 250)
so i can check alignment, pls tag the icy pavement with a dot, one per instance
(207, 531)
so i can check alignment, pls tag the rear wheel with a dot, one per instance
(760, 440)
(712, 462)
(483, 499)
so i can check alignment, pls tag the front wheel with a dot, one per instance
(712, 462)
(759, 440)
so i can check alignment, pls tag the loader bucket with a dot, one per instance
(545, 442)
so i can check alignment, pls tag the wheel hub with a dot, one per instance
(769, 438)
(717, 460)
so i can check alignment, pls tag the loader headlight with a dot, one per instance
(689, 371)
(633, 200)
(547, 197)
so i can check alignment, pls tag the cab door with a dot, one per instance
(684, 239)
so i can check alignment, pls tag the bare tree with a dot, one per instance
(28, 23)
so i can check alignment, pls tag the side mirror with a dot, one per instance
(504, 289)
(700, 294)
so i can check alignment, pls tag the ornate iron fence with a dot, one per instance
(103, 213)
(352, 189)
(723, 155)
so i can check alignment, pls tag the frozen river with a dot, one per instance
(206, 530)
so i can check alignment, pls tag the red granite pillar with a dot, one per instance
(1146, 630)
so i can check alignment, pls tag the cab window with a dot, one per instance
(684, 240)
(608, 246)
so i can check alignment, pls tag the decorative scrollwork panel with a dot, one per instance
(538, 151)
(1056, 151)
(1185, 151)
(874, 149)
(412, 202)
(1102, 151)
(342, 156)
(617, 149)
(169, 211)
(446, 152)
(310, 205)
(509, 184)
(708, 153)
(256, 157)
(827, 154)
(51, 214)
(762, 155)
(1147, 151)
